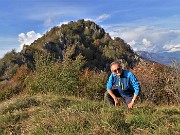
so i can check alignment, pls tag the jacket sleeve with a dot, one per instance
(109, 83)
(135, 84)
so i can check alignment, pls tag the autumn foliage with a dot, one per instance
(159, 83)
(74, 59)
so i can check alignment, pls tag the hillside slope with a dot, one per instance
(74, 59)
(90, 40)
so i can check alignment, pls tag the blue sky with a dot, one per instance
(147, 25)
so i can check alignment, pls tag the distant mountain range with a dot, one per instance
(171, 54)
(166, 58)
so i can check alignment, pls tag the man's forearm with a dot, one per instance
(134, 98)
(112, 94)
(130, 105)
(116, 101)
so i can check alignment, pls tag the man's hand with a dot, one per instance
(130, 105)
(116, 101)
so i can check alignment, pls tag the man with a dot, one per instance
(125, 83)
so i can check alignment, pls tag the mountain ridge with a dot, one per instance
(160, 58)
(75, 58)
(88, 38)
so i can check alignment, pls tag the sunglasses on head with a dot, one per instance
(118, 69)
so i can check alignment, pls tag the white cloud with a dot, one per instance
(28, 38)
(102, 17)
(172, 48)
(132, 43)
(90, 19)
(144, 38)
(99, 19)
(146, 42)
(65, 22)
(48, 21)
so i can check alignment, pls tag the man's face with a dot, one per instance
(116, 69)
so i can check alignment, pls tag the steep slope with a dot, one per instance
(90, 40)
(74, 59)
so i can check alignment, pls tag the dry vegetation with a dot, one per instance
(53, 114)
(56, 86)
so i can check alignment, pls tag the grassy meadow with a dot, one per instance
(49, 114)
(55, 86)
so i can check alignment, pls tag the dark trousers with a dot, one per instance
(110, 100)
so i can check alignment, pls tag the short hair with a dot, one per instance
(115, 62)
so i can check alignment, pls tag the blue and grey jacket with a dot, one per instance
(126, 83)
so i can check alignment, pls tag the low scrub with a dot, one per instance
(56, 77)
(160, 85)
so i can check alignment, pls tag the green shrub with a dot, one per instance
(9, 92)
(93, 84)
(62, 78)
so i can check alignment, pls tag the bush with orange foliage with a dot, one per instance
(15, 85)
(158, 83)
